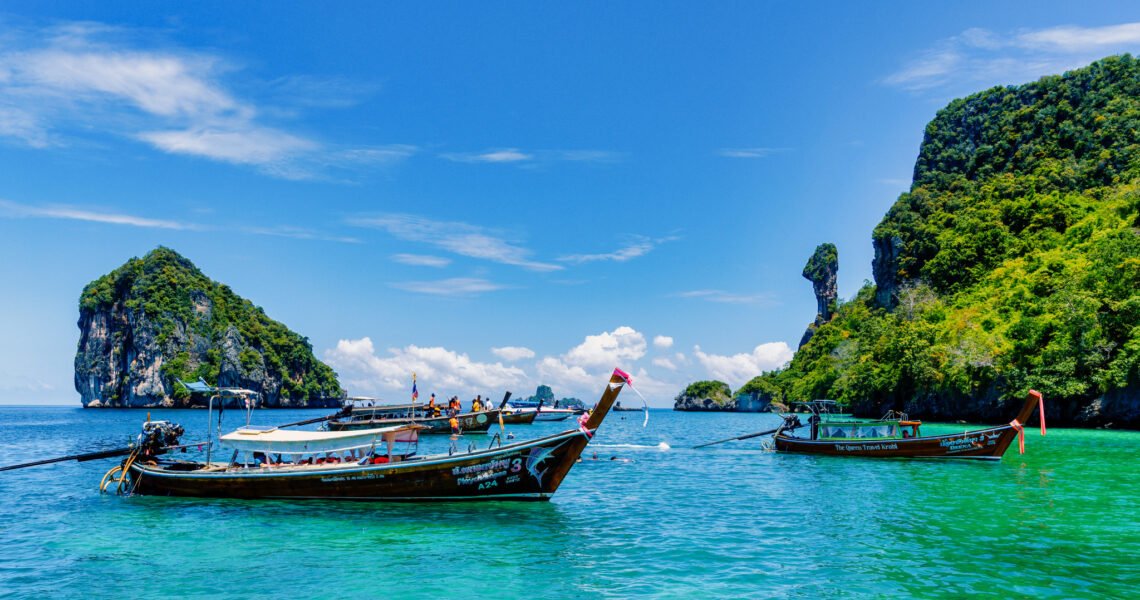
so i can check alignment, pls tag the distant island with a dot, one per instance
(1013, 262)
(158, 319)
(717, 396)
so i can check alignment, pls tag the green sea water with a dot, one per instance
(662, 521)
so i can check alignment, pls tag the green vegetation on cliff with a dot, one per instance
(192, 319)
(1012, 263)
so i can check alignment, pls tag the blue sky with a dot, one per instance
(491, 195)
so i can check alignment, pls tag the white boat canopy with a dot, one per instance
(280, 441)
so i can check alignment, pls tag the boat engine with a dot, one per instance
(156, 436)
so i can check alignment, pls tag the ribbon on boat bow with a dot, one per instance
(582, 419)
(1041, 410)
(1017, 426)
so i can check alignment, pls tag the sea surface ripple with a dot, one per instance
(662, 520)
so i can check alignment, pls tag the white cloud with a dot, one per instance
(755, 152)
(725, 297)
(1082, 39)
(421, 260)
(663, 341)
(506, 155)
(513, 353)
(239, 145)
(737, 369)
(455, 286)
(438, 370)
(979, 58)
(530, 157)
(80, 79)
(12, 209)
(612, 349)
(460, 238)
(640, 246)
(299, 233)
(664, 363)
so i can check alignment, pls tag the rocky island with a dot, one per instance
(1013, 262)
(158, 319)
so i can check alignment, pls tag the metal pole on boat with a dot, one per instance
(209, 426)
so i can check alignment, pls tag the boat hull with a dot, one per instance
(526, 471)
(468, 423)
(517, 418)
(983, 444)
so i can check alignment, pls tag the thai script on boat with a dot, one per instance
(865, 447)
(484, 476)
(502, 463)
(351, 477)
(961, 444)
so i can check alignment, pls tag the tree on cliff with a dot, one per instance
(158, 319)
(1012, 263)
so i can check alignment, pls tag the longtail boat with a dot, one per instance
(277, 466)
(901, 438)
(472, 422)
(518, 418)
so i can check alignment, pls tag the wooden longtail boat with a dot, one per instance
(518, 418)
(530, 470)
(900, 438)
(474, 422)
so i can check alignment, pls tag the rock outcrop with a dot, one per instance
(159, 319)
(822, 270)
(706, 396)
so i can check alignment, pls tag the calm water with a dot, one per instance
(727, 521)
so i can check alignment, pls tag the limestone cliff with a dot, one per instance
(706, 396)
(822, 270)
(158, 319)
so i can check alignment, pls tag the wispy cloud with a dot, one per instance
(532, 157)
(725, 297)
(76, 80)
(300, 233)
(459, 238)
(14, 210)
(421, 260)
(640, 246)
(456, 286)
(754, 152)
(505, 155)
(979, 57)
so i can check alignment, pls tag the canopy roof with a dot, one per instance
(310, 442)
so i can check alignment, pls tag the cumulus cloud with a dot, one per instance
(440, 370)
(979, 57)
(664, 363)
(663, 341)
(624, 344)
(457, 237)
(737, 369)
(513, 353)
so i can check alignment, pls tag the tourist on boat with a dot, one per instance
(453, 407)
(477, 404)
(454, 422)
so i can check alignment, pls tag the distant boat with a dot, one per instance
(546, 414)
(359, 465)
(518, 418)
(472, 422)
(619, 408)
(900, 437)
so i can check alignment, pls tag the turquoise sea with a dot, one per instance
(663, 521)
